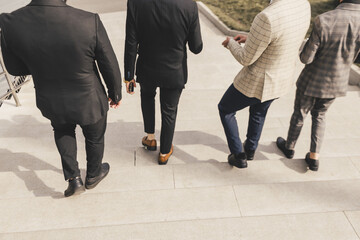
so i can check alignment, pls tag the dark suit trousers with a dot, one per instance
(233, 101)
(94, 143)
(169, 100)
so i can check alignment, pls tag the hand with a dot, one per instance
(226, 42)
(128, 84)
(113, 104)
(240, 38)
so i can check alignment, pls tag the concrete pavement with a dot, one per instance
(197, 195)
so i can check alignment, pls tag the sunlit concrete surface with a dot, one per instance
(197, 195)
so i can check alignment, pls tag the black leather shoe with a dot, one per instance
(92, 182)
(238, 160)
(312, 163)
(280, 143)
(75, 187)
(249, 153)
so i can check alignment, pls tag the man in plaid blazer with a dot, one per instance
(268, 57)
(332, 48)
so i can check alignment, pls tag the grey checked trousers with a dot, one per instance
(303, 105)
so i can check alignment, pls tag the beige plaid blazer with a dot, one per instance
(271, 49)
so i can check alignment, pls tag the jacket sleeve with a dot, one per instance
(194, 39)
(14, 65)
(107, 62)
(257, 41)
(131, 43)
(312, 46)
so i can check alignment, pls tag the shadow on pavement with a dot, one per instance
(24, 165)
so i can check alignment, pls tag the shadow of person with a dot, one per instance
(24, 165)
(203, 138)
(132, 132)
(297, 165)
(189, 147)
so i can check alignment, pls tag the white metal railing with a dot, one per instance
(12, 84)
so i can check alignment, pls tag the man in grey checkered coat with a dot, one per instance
(329, 53)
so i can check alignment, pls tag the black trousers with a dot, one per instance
(169, 100)
(65, 140)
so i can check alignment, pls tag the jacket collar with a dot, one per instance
(54, 3)
(349, 6)
(351, 1)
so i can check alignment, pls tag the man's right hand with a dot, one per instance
(113, 104)
(128, 84)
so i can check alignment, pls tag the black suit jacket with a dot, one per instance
(158, 31)
(59, 45)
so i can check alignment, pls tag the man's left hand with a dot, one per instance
(113, 104)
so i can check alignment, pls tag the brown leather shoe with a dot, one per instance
(164, 159)
(149, 144)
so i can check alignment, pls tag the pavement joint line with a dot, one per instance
(267, 183)
(186, 188)
(174, 221)
(352, 162)
(351, 224)
(173, 172)
(237, 201)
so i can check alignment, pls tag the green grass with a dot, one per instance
(239, 14)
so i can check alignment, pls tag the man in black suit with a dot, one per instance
(59, 46)
(158, 31)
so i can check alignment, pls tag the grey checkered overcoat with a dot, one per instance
(329, 53)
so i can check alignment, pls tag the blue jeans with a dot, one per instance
(233, 101)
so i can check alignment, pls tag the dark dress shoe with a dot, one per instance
(238, 160)
(149, 144)
(75, 187)
(249, 153)
(162, 160)
(92, 182)
(280, 143)
(312, 163)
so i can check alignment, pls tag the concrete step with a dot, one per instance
(106, 209)
(18, 180)
(313, 226)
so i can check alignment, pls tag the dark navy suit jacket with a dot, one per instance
(59, 46)
(158, 31)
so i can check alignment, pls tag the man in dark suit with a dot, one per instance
(158, 31)
(328, 54)
(59, 46)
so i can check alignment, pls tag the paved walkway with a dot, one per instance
(197, 195)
